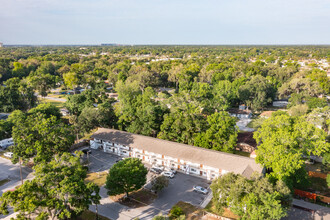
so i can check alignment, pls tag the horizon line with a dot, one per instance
(118, 45)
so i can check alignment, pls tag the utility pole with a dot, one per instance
(97, 212)
(20, 169)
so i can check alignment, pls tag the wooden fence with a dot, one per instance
(317, 174)
(312, 196)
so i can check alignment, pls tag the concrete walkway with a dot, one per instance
(320, 212)
(113, 210)
(207, 200)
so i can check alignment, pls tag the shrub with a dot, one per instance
(176, 212)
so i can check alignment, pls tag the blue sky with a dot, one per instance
(165, 21)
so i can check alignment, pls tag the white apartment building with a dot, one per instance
(185, 158)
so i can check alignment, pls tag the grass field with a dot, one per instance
(191, 212)
(97, 178)
(227, 213)
(89, 215)
(320, 185)
(242, 153)
(56, 103)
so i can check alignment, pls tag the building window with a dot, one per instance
(124, 152)
(193, 170)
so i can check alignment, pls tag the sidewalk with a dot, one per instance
(113, 210)
(320, 212)
(207, 200)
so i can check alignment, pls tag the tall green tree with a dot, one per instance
(321, 77)
(71, 79)
(299, 85)
(284, 140)
(16, 94)
(257, 92)
(91, 118)
(47, 109)
(58, 191)
(257, 198)
(126, 176)
(182, 126)
(40, 137)
(221, 133)
(148, 114)
(41, 82)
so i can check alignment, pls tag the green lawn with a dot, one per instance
(320, 185)
(89, 215)
(226, 213)
(242, 153)
(256, 123)
(97, 178)
(56, 103)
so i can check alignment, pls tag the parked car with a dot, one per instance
(8, 154)
(86, 151)
(310, 161)
(155, 170)
(200, 189)
(168, 174)
(158, 167)
(172, 170)
(119, 159)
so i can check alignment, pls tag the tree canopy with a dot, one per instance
(284, 140)
(57, 191)
(257, 198)
(126, 176)
(40, 137)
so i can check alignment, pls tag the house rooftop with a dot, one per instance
(216, 159)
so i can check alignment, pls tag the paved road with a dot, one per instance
(53, 98)
(11, 171)
(242, 123)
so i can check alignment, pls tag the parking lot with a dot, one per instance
(179, 189)
(99, 161)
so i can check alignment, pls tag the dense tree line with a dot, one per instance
(176, 93)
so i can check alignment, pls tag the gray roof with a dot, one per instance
(216, 159)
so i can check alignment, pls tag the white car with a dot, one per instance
(158, 167)
(200, 190)
(168, 174)
(8, 154)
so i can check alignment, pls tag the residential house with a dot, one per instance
(239, 113)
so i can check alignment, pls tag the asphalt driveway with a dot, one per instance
(100, 161)
(181, 189)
